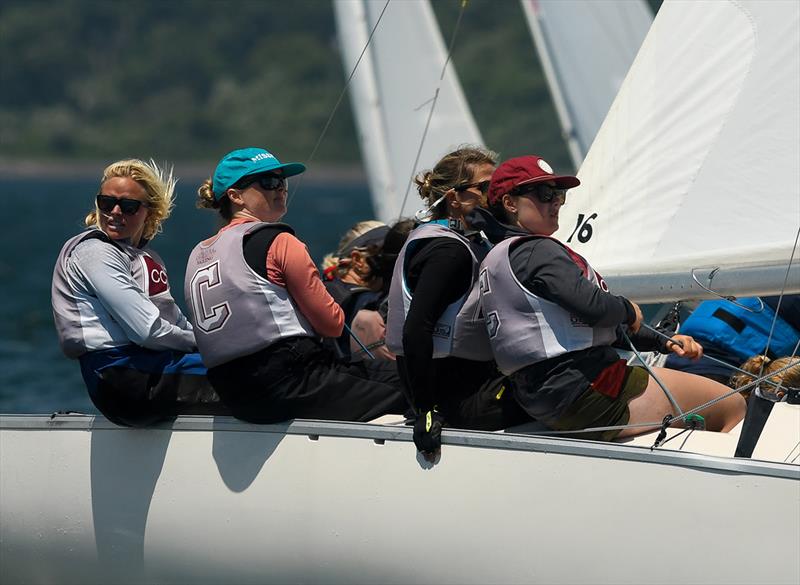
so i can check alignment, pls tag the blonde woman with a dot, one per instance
(761, 365)
(113, 308)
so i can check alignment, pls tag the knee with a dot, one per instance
(123, 398)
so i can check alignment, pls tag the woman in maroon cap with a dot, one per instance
(434, 324)
(552, 323)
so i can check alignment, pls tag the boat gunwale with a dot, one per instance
(383, 432)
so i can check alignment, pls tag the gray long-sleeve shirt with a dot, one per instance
(108, 295)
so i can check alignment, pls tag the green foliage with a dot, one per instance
(190, 79)
(177, 79)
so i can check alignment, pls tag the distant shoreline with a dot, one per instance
(186, 171)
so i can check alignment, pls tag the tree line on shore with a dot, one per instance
(191, 79)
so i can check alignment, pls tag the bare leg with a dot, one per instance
(689, 392)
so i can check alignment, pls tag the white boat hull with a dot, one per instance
(214, 500)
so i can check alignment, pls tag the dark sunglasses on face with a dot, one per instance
(270, 182)
(107, 203)
(544, 193)
(483, 187)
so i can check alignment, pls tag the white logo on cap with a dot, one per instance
(261, 156)
(544, 166)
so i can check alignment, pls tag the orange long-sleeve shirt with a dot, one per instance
(290, 266)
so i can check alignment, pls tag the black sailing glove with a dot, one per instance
(428, 432)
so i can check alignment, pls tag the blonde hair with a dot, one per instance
(761, 364)
(455, 168)
(158, 184)
(338, 263)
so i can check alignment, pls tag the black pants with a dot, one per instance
(134, 398)
(471, 395)
(298, 378)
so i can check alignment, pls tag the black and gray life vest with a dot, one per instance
(523, 327)
(460, 331)
(82, 321)
(234, 310)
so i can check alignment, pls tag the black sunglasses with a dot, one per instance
(267, 182)
(483, 187)
(544, 193)
(107, 203)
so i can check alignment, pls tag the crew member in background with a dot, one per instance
(353, 279)
(259, 308)
(113, 307)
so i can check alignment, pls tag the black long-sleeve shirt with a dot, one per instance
(438, 274)
(547, 388)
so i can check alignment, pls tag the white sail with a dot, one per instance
(586, 48)
(393, 92)
(696, 167)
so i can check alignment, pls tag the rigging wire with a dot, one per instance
(747, 386)
(339, 101)
(433, 101)
(780, 299)
(657, 424)
(708, 357)
(653, 374)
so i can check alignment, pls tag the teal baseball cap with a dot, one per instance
(249, 161)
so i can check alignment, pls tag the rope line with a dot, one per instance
(747, 386)
(339, 101)
(713, 359)
(780, 299)
(652, 372)
(657, 424)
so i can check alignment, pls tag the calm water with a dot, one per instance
(34, 375)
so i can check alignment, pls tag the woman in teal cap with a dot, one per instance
(260, 308)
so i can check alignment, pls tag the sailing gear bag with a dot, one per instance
(739, 331)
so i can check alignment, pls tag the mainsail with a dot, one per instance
(392, 93)
(694, 175)
(586, 48)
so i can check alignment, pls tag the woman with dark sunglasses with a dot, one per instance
(353, 279)
(259, 308)
(434, 325)
(113, 307)
(552, 323)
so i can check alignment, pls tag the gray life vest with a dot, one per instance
(235, 311)
(524, 328)
(82, 322)
(460, 331)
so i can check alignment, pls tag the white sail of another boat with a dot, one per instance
(393, 91)
(695, 169)
(586, 48)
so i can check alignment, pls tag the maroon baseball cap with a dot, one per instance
(523, 170)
